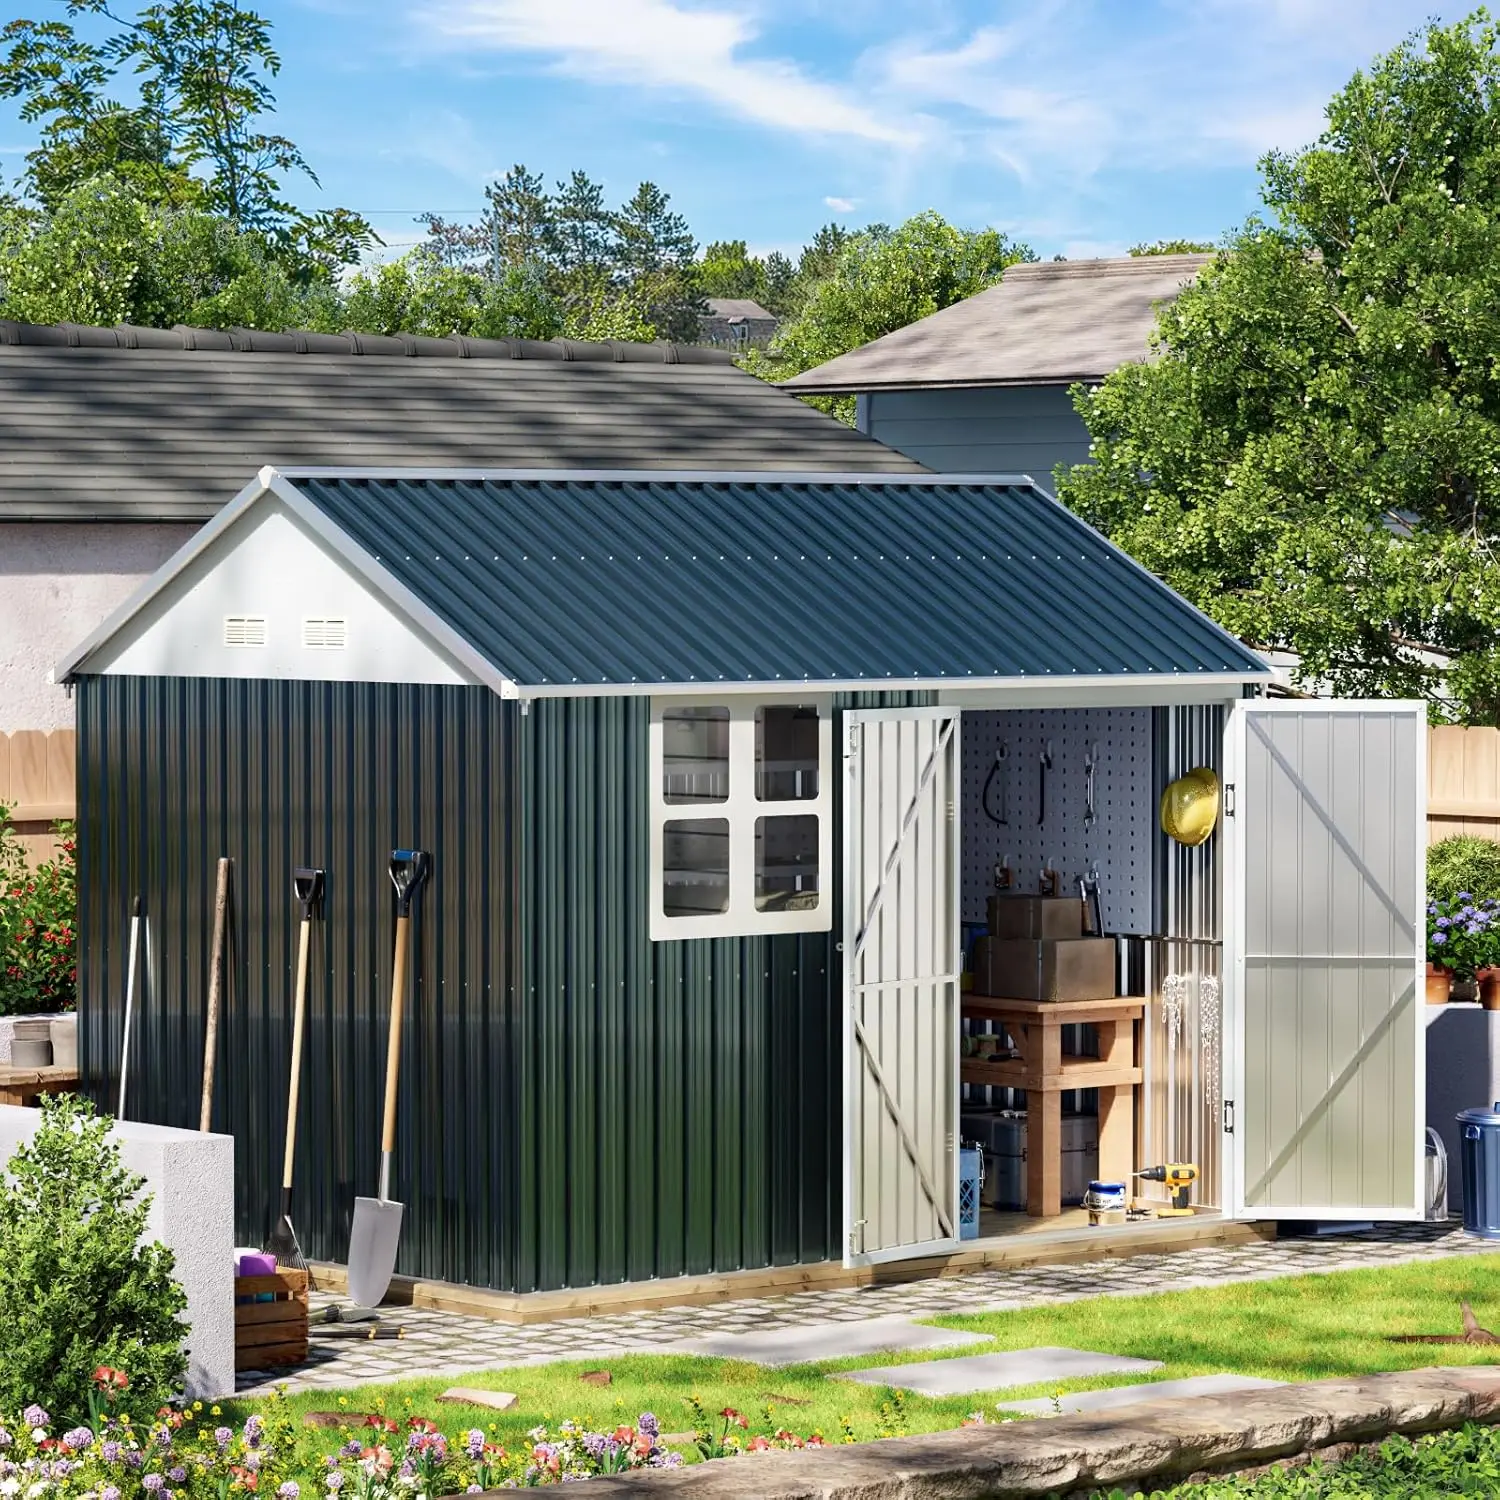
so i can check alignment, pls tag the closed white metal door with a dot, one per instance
(901, 982)
(1325, 943)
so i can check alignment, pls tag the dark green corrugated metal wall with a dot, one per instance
(579, 1105)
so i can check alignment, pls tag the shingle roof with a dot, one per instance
(164, 424)
(1046, 323)
(738, 307)
(780, 579)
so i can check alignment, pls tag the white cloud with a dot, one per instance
(660, 44)
(840, 205)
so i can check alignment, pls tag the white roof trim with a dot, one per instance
(271, 482)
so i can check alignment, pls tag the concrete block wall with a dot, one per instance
(190, 1177)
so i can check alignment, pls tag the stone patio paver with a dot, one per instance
(441, 1344)
(800, 1345)
(1127, 1395)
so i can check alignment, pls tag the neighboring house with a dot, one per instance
(982, 387)
(117, 443)
(713, 768)
(738, 322)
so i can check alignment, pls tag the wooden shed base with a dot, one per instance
(1039, 1247)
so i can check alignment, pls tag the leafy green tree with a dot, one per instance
(1168, 247)
(883, 280)
(420, 294)
(78, 1289)
(1314, 455)
(729, 270)
(201, 70)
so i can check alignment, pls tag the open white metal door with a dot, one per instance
(901, 983)
(1325, 939)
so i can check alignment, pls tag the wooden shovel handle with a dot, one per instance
(215, 993)
(393, 1046)
(299, 1011)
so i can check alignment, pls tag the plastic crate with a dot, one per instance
(970, 1184)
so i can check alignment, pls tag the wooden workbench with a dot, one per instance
(1045, 1072)
(23, 1085)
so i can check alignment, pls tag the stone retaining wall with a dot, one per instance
(1154, 1444)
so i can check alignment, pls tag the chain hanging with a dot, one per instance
(1209, 1012)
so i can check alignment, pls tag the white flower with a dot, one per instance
(9, 1486)
(38, 1433)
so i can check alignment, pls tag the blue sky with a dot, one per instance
(1080, 126)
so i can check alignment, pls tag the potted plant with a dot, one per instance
(1463, 938)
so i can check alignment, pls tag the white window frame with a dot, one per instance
(741, 808)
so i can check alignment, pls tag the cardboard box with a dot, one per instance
(1045, 968)
(1024, 916)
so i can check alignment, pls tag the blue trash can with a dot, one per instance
(1479, 1136)
(970, 1182)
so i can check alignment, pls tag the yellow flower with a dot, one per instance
(215, 1411)
(197, 1406)
(343, 1401)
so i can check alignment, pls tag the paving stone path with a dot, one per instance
(442, 1344)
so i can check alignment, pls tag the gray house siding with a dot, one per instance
(986, 430)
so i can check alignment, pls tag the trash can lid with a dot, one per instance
(1479, 1115)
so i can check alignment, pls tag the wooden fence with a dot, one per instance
(1463, 782)
(37, 784)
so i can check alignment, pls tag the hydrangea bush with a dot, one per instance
(1463, 934)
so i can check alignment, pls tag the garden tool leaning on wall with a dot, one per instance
(376, 1232)
(307, 887)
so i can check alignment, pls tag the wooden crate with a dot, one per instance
(268, 1335)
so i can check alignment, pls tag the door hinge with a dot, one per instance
(857, 1237)
(1228, 799)
(1229, 1117)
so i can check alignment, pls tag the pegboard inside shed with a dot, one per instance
(1120, 839)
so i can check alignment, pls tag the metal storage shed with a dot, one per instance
(686, 749)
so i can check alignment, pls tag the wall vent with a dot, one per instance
(325, 634)
(244, 630)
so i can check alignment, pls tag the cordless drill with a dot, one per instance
(1179, 1177)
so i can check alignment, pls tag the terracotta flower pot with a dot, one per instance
(1439, 982)
(1489, 988)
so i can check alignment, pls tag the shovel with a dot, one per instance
(307, 887)
(376, 1231)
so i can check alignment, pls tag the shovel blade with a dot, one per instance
(373, 1240)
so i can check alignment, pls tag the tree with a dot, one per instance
(1167, 247)
(883, 280)
(1314, 455)
(201, 70)
(729, 270)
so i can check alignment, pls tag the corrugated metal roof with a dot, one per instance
(1046, 323)
(588, 582)
(164, 424)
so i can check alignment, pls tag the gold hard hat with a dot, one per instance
(1190, 806)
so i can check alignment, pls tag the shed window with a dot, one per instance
(741, 817)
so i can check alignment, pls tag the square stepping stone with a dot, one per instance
(1128, 1395)
(995, 1372)
(812, 1341)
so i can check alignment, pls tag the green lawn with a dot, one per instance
(1305, 1328)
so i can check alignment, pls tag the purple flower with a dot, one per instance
(474, 1489)
(664, 1459)
(253, 1429)
(60, 1469)
(134, 1460)
(78, 1437)
(177, 1475)
(335, 1481)
(1439, 938)
(1464, 896)
(109, 1451)
(252, 1462)
(154, 1483)
(351, 1449)
(474, 1442)
(1445, 921)
(648, 1425)
(1474, 929)
(35, 1416)
(222, 1436)
(109, 1492)
(290, 1490)
(408, 1469)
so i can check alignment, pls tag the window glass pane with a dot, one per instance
(695, 754)
(786, 752)
(786, 863)
(695, 867)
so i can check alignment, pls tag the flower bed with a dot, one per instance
(192, 1455)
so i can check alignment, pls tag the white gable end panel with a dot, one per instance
(269, 567)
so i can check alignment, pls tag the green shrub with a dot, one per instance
(1463, 864)
(78, 1289)
(38, 925)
